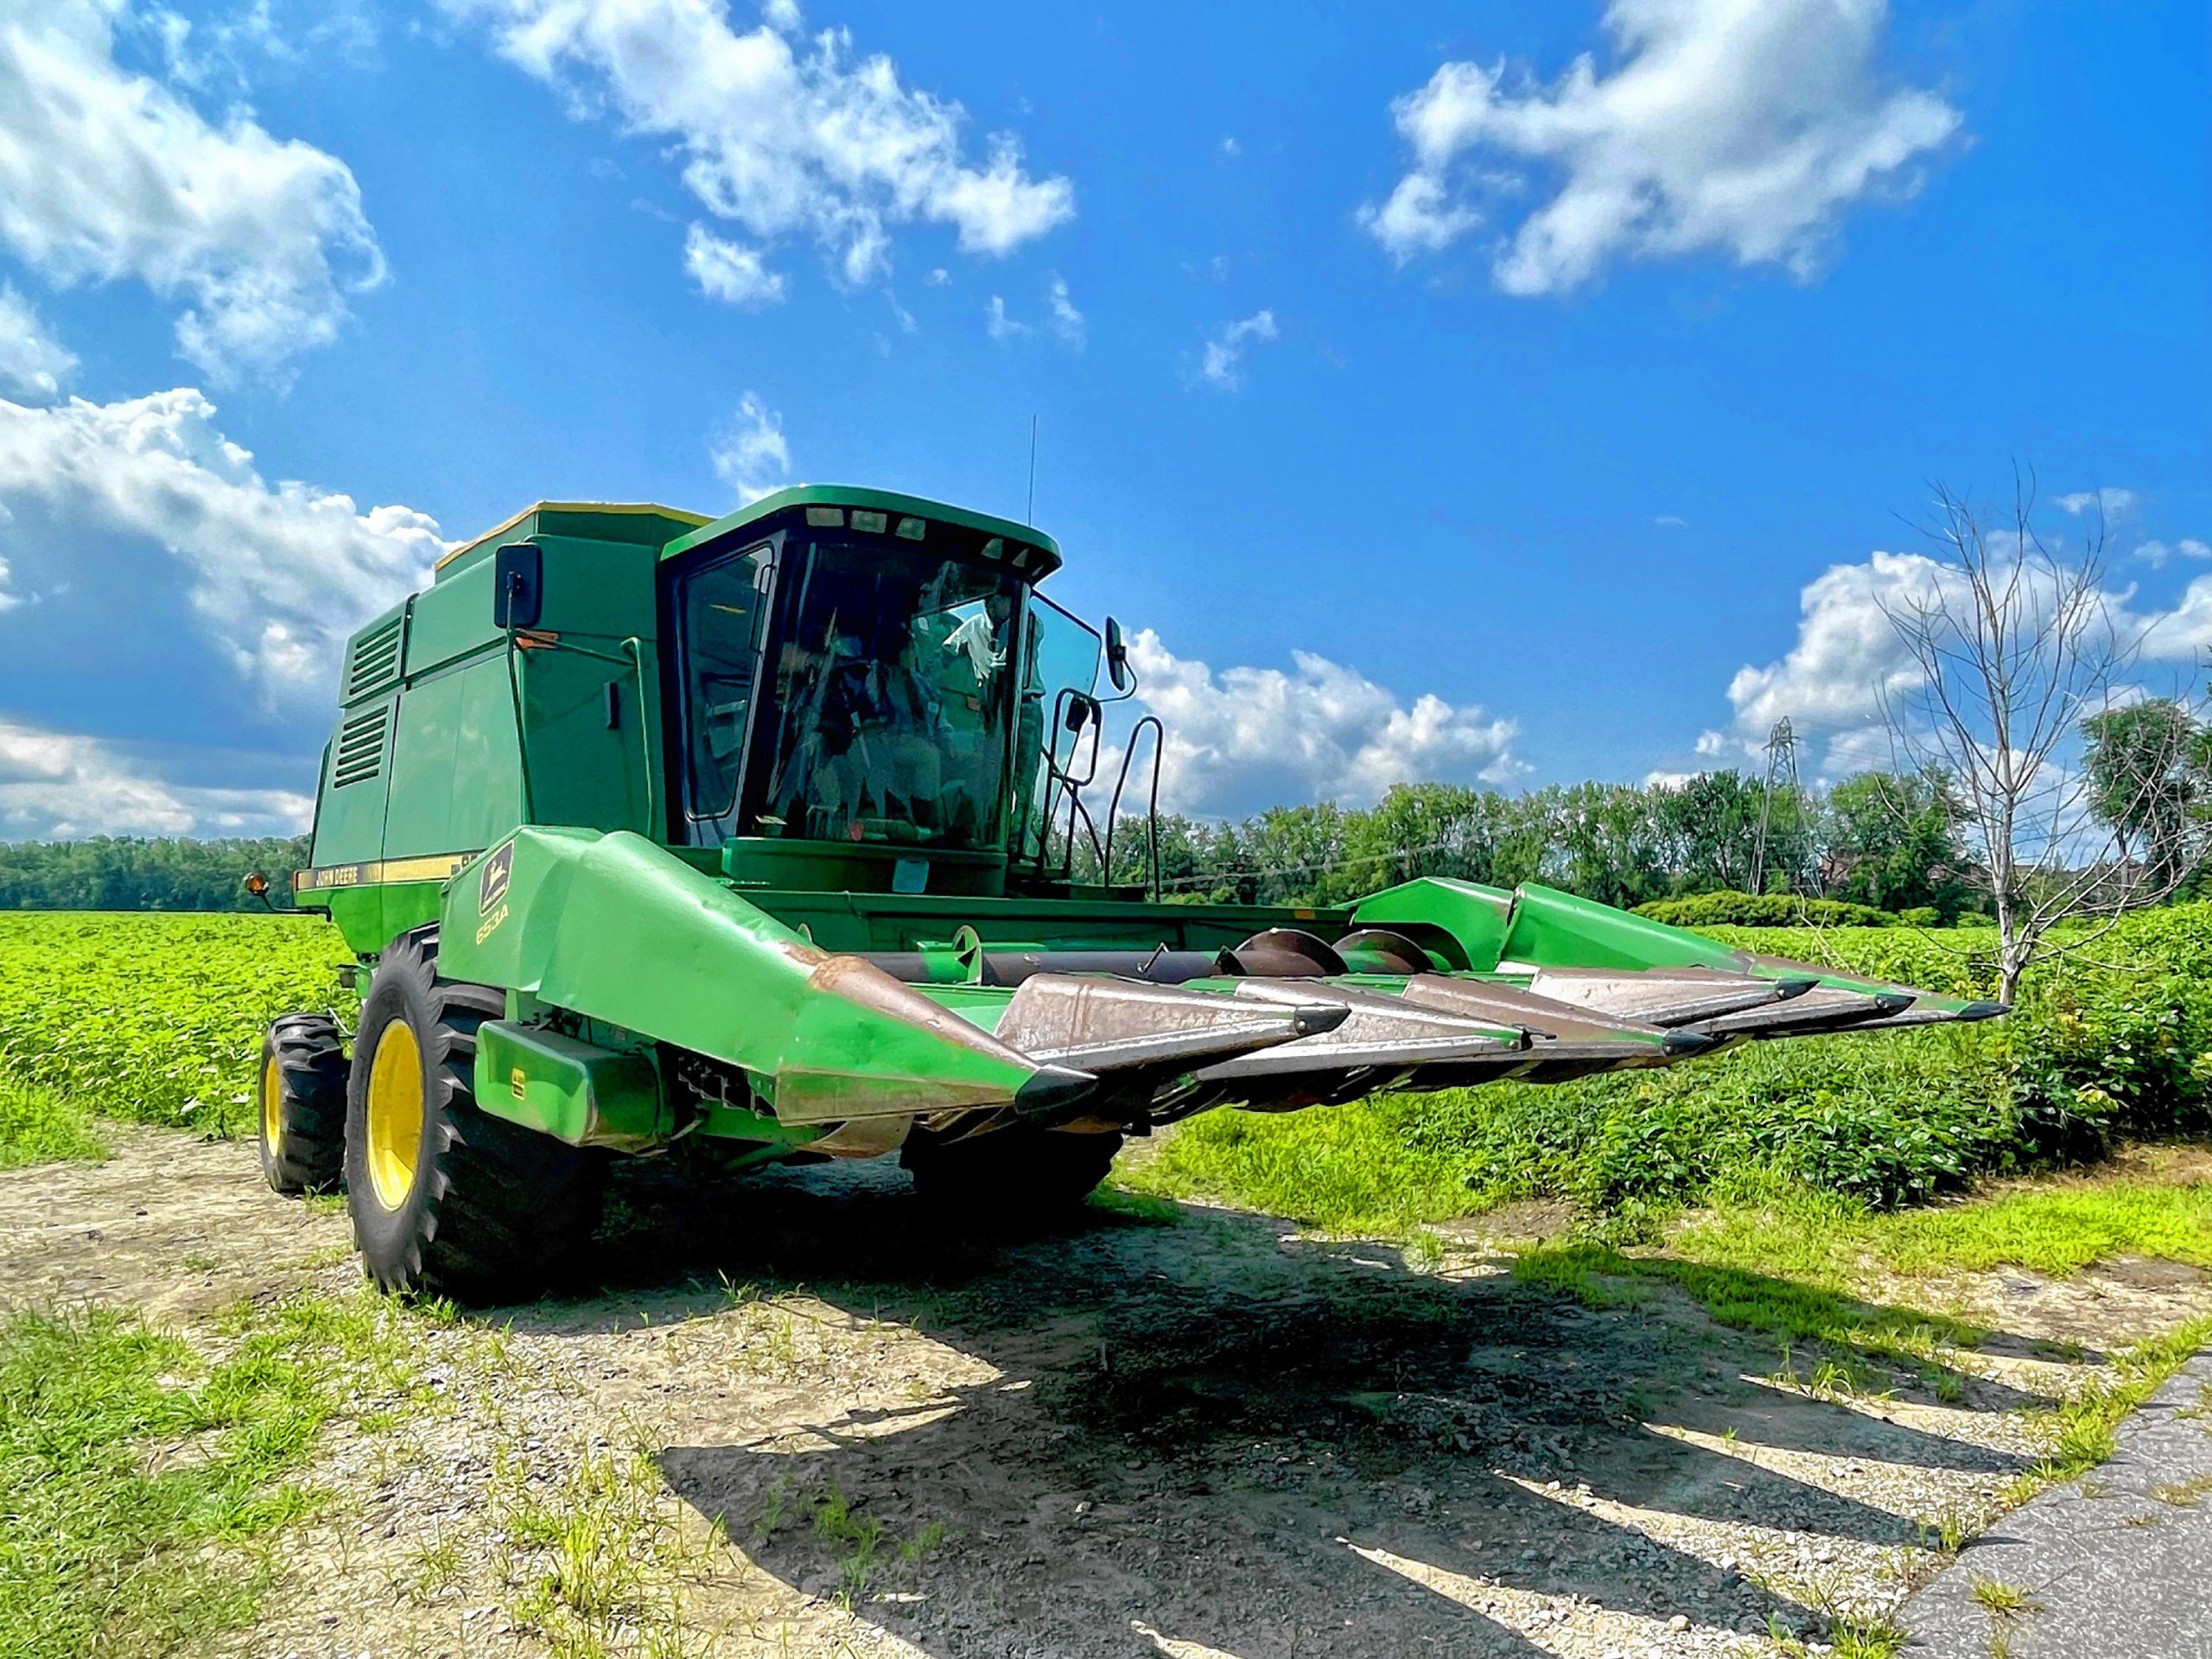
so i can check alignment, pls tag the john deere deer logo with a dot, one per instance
(497, 869)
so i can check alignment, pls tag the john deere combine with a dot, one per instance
(758, 838)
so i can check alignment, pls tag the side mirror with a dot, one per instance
(257, 885)
(517, 585)
(1117, 655)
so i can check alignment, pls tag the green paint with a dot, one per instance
(1558, 929)
(547, 762)
(573, 1091)
(746, 520)
(614, 928)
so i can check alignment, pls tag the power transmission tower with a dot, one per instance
(1781, 774)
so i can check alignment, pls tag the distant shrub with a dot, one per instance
(1729, 909)
(1946, 960)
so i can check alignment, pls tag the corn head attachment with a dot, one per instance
(758, 837)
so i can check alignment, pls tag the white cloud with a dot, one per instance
(1661, 780)
(9, 598)
(2155, 554)
(2185, 633)
(998, 325)
(33, 364)
(1671, 521)
(1067, 321)
(1419, 214)
(1831, 685)
(729, 270)
(1221, 364)
(1742, 125)
(1848, 651)
(2113, 503)
(57, 785)
(750, 453)
(1229, 147)
(1713, 745)
(276, 575)
(783, 134)
(106, 174)
(1251, 737)
(939, 277)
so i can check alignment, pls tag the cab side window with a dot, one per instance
(721, 612)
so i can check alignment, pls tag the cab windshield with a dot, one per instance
(890, 704)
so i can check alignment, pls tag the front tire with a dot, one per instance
(1009, 1180)
(445, 1198)
(303, 1104)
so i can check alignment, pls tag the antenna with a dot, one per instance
(1029, 512)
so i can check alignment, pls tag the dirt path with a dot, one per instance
(803, 1423)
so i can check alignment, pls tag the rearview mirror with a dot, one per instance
(1117, 655)
(517, 585)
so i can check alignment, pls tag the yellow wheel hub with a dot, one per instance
(272, 1105)
(395, 1126)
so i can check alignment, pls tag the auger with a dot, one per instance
(756, 839)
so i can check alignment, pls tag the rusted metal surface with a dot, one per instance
(1101, 1026)
(1668, 996)
(1284, 953)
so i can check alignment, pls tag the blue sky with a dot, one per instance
(1512, 392)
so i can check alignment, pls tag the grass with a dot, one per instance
(42, 1126)
(2184, 1494)
(2054, 1230)
(137, 1479)
(1790, 1309)
(1794, 1265)
(2000, 1598)
(857, 1542)
(1772, 1253)
(1352, 1169)
(595, 1562)
(2057, 1230)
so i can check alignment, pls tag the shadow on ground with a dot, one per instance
(1215, 1432)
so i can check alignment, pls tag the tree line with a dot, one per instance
(1891, 842)
(1888, 843)
(128, 872)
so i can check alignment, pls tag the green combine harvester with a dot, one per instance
(759, 840)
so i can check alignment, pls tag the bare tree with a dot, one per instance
(2013, 648)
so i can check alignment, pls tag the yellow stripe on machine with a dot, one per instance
(435, 866)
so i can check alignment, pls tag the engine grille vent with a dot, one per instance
(359, 753)
(373, 663)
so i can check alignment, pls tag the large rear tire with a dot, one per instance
(302, 1101)
(1007, 1179)
(445, 1198)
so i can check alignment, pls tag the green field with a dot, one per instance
(150, 1017)
(157, 1018)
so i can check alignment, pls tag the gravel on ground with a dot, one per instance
(808, 1422)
